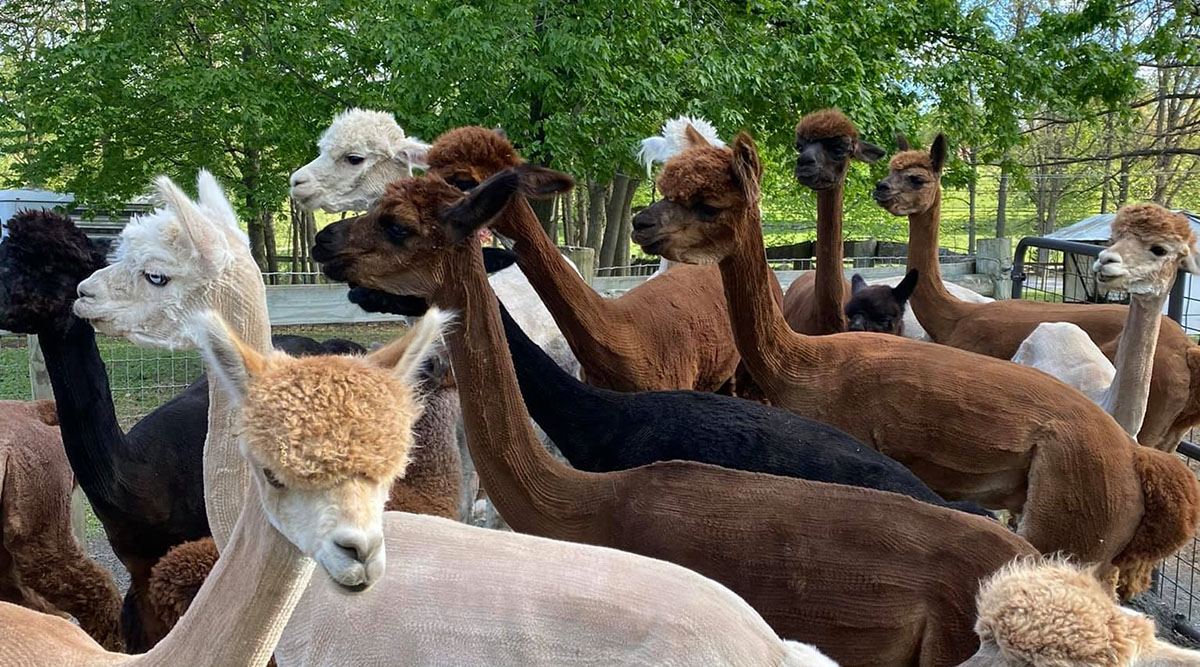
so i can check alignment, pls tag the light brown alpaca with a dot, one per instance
(996, 329)
(1055, 614)
(931, 408)
(671, 332)
(826, 141)
(42, 566)
(778, 542)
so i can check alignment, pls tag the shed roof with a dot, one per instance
(1095, 229)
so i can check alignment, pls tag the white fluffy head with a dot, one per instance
(673, 140)
(361, 152)
(167, 263)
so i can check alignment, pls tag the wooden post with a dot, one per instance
(993, 257)
(39, 383)
(584, 258)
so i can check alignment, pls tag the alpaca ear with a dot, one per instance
(937, 152)
(376, 301)
(868, 152)
(904, 290)
(480, 205)
(500, 132)
(211, 195)
(406, 356)
(542, 182)
(226, 356)
(902, 143)
(694, 138)
(200, 233)
(857, 284)
(412, 154)
(1191, 261)
(747, 168)
(498, 259)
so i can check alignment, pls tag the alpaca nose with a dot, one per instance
(82, 292)
(297, 179)
(358, 546)
(642, 222)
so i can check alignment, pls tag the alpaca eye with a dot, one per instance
(916, 181)
(355, 159)
(706, 210)
(1158, 250)
(464, 183)
(156, 279)
(395, 232)
(272, 479)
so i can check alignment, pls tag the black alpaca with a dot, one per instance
(600, 430)
(879, 308)
(145, 486)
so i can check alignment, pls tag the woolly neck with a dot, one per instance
(935, 307)
(829, 290)
(1128, 395)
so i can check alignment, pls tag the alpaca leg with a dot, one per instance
(12, 591)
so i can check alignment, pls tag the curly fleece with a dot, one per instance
(1151, 222)
(317, 421)
(479, 151)
(825, 124)
(698, 173)
(909, 159)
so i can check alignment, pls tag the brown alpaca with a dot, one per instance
(826, 141)
(780, 543)
(996, 329)
(930, 407)
(42, 566)
(671, 332)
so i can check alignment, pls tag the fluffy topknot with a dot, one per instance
(704, 172)
(908, 159)
(317, 421)
(477, 149)
(363, 128)
(1151, 222)
(824, 124)
(48, 237)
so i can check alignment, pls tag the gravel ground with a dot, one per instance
(101, 552)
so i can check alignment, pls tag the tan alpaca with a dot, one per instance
(913, 188)
(1054, 614)
(321, 473)
(671, 332)
(930, 407)
(1149, 245)
(42, 566)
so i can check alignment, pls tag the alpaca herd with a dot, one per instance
(846, 519)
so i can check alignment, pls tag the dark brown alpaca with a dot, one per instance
(930, 407)
(879, 308)
(996, 329)
(826, 141)
(780, 543)
(671, 332)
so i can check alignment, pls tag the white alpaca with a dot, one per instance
(1149, 245)
(361, 152)
(912, 327)
(452, 594)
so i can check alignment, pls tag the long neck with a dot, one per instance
(829, 291)
(1130, 390)
(239, 296)
(936, 308)
(86, 416)
(533, 492)
(764, 340)
(585, 318)
(576, 416)
(244, 604)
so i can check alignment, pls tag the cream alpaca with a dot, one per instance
(333, 515)
(453, 594)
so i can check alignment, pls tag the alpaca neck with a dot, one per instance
(585, 318)
(829, 290)
(1130, 390)
(935, 307)
(244, 604)
(88, 421)
(764, 340)
(533, 492)
(240, 298)
(374, 182)
(576, 416)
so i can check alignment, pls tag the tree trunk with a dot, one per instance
(972, 188)
(1002, 204)
(621, 256)
(581, 221)
(1123, 182)
(597, 195)
(566, 208)
(612, 223)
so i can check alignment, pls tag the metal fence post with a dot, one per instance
(39, 384)
(1175, 300)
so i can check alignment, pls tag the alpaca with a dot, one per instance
(601, 431)
(42, 566)
(912, 327)
(1036, 613)
(1052, 343)
(1149, 245)
(145, 486)
(922, 404)
(321, 473)
(996, 329)
(879, 308)
(668, 333)
(778, 542)
(518, 600)
(361, 152)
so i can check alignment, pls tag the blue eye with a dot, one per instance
(156, 279)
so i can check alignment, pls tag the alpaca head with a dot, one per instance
(325, 436)
(360, 153)
(709, 194)
(467, 156)
(1035, 613)
(169, 264)
(826, 141)
(879, 308)
(914, 178)
(42, 261)
(1149, 244)
(403, 244)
